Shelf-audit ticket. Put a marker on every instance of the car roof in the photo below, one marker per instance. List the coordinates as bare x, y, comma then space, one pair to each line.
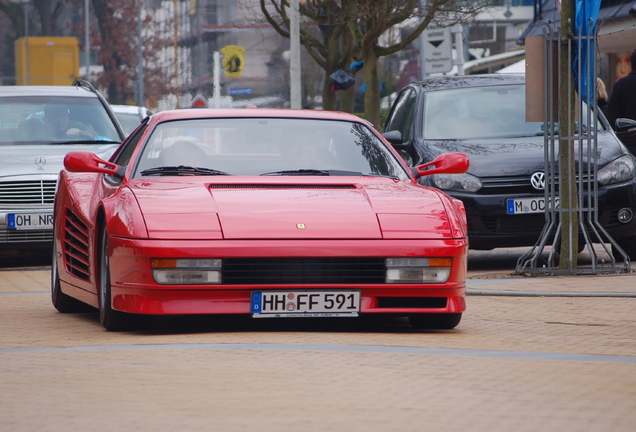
130, 109
450, 82
61, 90
195, 113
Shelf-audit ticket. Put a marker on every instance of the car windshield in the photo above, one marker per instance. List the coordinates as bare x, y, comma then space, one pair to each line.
266, 146
51, 120
479, 112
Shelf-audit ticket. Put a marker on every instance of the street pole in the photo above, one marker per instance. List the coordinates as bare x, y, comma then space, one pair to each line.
294, 57
26, 42
175, 47
87, 42
421, 41
216, 70
140, 60
567, 176
459, 47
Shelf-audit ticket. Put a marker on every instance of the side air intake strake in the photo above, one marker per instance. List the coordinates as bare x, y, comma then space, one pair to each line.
75, 246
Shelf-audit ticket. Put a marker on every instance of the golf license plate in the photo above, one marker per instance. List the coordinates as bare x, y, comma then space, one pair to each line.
30, 221
305, 304
527, 205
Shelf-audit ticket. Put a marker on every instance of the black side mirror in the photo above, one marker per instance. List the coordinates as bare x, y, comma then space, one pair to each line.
625, 127
394, 138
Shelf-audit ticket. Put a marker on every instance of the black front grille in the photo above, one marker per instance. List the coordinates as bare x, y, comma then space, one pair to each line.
515, 224
27, 192
412, 302
26, 236
263, 271
507, 185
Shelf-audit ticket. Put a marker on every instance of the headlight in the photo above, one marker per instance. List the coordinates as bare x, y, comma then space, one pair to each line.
418, 270
186, 271
617, 171
458, 182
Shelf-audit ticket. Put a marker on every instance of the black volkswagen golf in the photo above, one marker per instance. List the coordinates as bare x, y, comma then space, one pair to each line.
483, 116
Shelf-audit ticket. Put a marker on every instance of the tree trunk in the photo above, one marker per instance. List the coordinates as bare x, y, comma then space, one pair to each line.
347, 100
329, 98
372, 92
567, 175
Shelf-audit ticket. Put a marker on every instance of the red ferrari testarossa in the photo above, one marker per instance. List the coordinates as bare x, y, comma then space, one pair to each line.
267, 213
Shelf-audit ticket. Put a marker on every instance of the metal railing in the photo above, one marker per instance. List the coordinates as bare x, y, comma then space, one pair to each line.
582, 138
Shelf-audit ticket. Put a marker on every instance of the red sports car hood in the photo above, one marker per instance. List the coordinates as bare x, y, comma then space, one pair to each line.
286, 208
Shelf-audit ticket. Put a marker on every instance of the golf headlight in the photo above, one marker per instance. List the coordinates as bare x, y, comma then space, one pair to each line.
186, 271
457, 182
417, 270
617, 171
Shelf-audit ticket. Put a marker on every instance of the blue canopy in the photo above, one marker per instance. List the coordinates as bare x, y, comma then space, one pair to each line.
585, 19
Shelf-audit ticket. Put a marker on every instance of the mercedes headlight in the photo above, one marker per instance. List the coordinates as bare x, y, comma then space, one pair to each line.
457, 182
619, 170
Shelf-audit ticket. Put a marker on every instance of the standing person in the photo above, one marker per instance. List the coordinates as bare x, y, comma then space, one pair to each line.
622, 103
601, 95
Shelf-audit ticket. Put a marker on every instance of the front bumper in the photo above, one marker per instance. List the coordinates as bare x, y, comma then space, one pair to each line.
134, 290
489, 225
11, 238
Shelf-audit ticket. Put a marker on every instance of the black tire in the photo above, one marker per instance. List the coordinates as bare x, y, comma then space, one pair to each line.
435, 321
62, 302
111, 319
628, 246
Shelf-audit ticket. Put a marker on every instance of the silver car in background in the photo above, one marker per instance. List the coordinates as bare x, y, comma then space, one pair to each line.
130, 116
38, 126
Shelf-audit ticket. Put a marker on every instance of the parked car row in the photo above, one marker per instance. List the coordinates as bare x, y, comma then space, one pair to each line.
283, 213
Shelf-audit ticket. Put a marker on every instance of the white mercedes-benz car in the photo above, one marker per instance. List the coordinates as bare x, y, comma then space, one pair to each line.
39, 125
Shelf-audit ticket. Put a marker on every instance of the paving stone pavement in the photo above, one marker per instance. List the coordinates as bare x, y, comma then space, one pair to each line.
514, 363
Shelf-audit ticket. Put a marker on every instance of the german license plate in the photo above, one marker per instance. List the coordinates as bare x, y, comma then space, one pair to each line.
305, 304
30, 221
528, 205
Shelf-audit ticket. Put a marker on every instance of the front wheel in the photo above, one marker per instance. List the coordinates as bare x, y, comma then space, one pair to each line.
435, 321
111, 319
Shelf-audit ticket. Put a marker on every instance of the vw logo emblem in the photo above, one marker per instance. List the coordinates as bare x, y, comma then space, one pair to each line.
40, 162
537, 180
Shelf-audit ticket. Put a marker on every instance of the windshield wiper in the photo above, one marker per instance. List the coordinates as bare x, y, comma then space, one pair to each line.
381, 175
315, 172
81, 141
182, 169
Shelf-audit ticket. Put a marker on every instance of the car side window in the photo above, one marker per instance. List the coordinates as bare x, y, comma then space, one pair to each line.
403, 114
123, 154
